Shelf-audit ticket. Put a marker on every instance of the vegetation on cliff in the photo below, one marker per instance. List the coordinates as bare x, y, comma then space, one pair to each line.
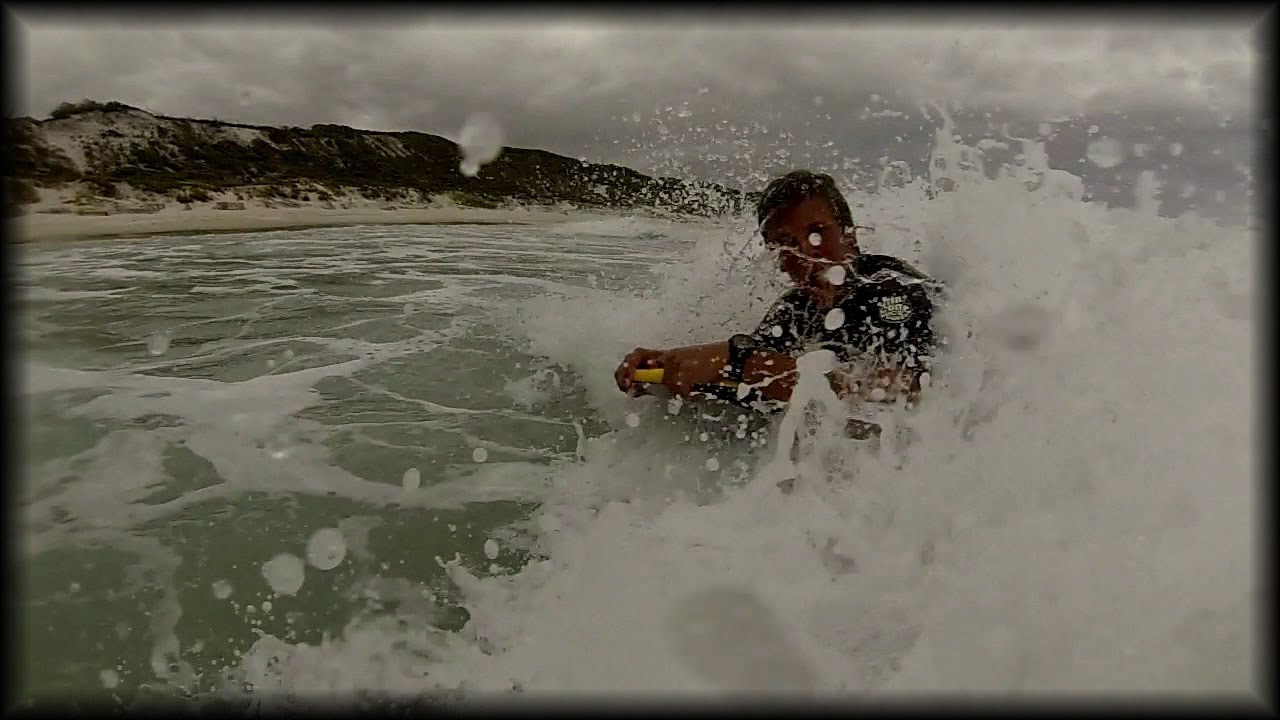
189, 158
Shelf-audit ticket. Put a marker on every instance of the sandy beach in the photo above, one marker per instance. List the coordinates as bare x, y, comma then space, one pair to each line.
55, 218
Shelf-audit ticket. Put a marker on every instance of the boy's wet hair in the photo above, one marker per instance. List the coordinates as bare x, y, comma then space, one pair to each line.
799, 185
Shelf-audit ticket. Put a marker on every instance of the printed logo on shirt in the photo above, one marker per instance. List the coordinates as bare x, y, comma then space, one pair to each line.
894, 308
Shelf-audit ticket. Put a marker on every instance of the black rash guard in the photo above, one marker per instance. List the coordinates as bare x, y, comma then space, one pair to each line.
886, 320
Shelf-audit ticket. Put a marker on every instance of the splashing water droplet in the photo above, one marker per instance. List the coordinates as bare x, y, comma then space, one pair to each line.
412, 479
1105, 152
633, 420
326, 549
815, 239
834, 319
479, 455
158, 343
491, 549
713, 464
702, 437
284, 573
836, 274
481, 141
266, 606
776, 331
221, 589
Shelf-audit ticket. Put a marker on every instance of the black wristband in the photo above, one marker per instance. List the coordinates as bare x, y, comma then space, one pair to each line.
741, 348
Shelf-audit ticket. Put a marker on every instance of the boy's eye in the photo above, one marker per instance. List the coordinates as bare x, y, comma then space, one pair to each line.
777, 241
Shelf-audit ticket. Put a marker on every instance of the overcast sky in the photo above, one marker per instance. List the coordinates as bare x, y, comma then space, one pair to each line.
600, 87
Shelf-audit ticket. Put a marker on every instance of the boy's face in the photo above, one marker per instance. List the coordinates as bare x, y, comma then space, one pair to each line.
808, 239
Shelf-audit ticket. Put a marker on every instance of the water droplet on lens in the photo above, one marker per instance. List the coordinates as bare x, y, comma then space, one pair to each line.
326, 549
284, 573
158, 343
1105, 152
480, 141
221, 589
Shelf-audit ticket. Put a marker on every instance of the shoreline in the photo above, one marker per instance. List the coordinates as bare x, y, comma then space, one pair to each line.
42, 227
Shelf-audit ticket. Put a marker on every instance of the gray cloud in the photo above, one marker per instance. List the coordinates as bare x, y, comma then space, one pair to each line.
576, 87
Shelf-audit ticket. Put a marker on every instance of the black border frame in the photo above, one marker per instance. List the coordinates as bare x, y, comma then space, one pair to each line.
1263, 17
